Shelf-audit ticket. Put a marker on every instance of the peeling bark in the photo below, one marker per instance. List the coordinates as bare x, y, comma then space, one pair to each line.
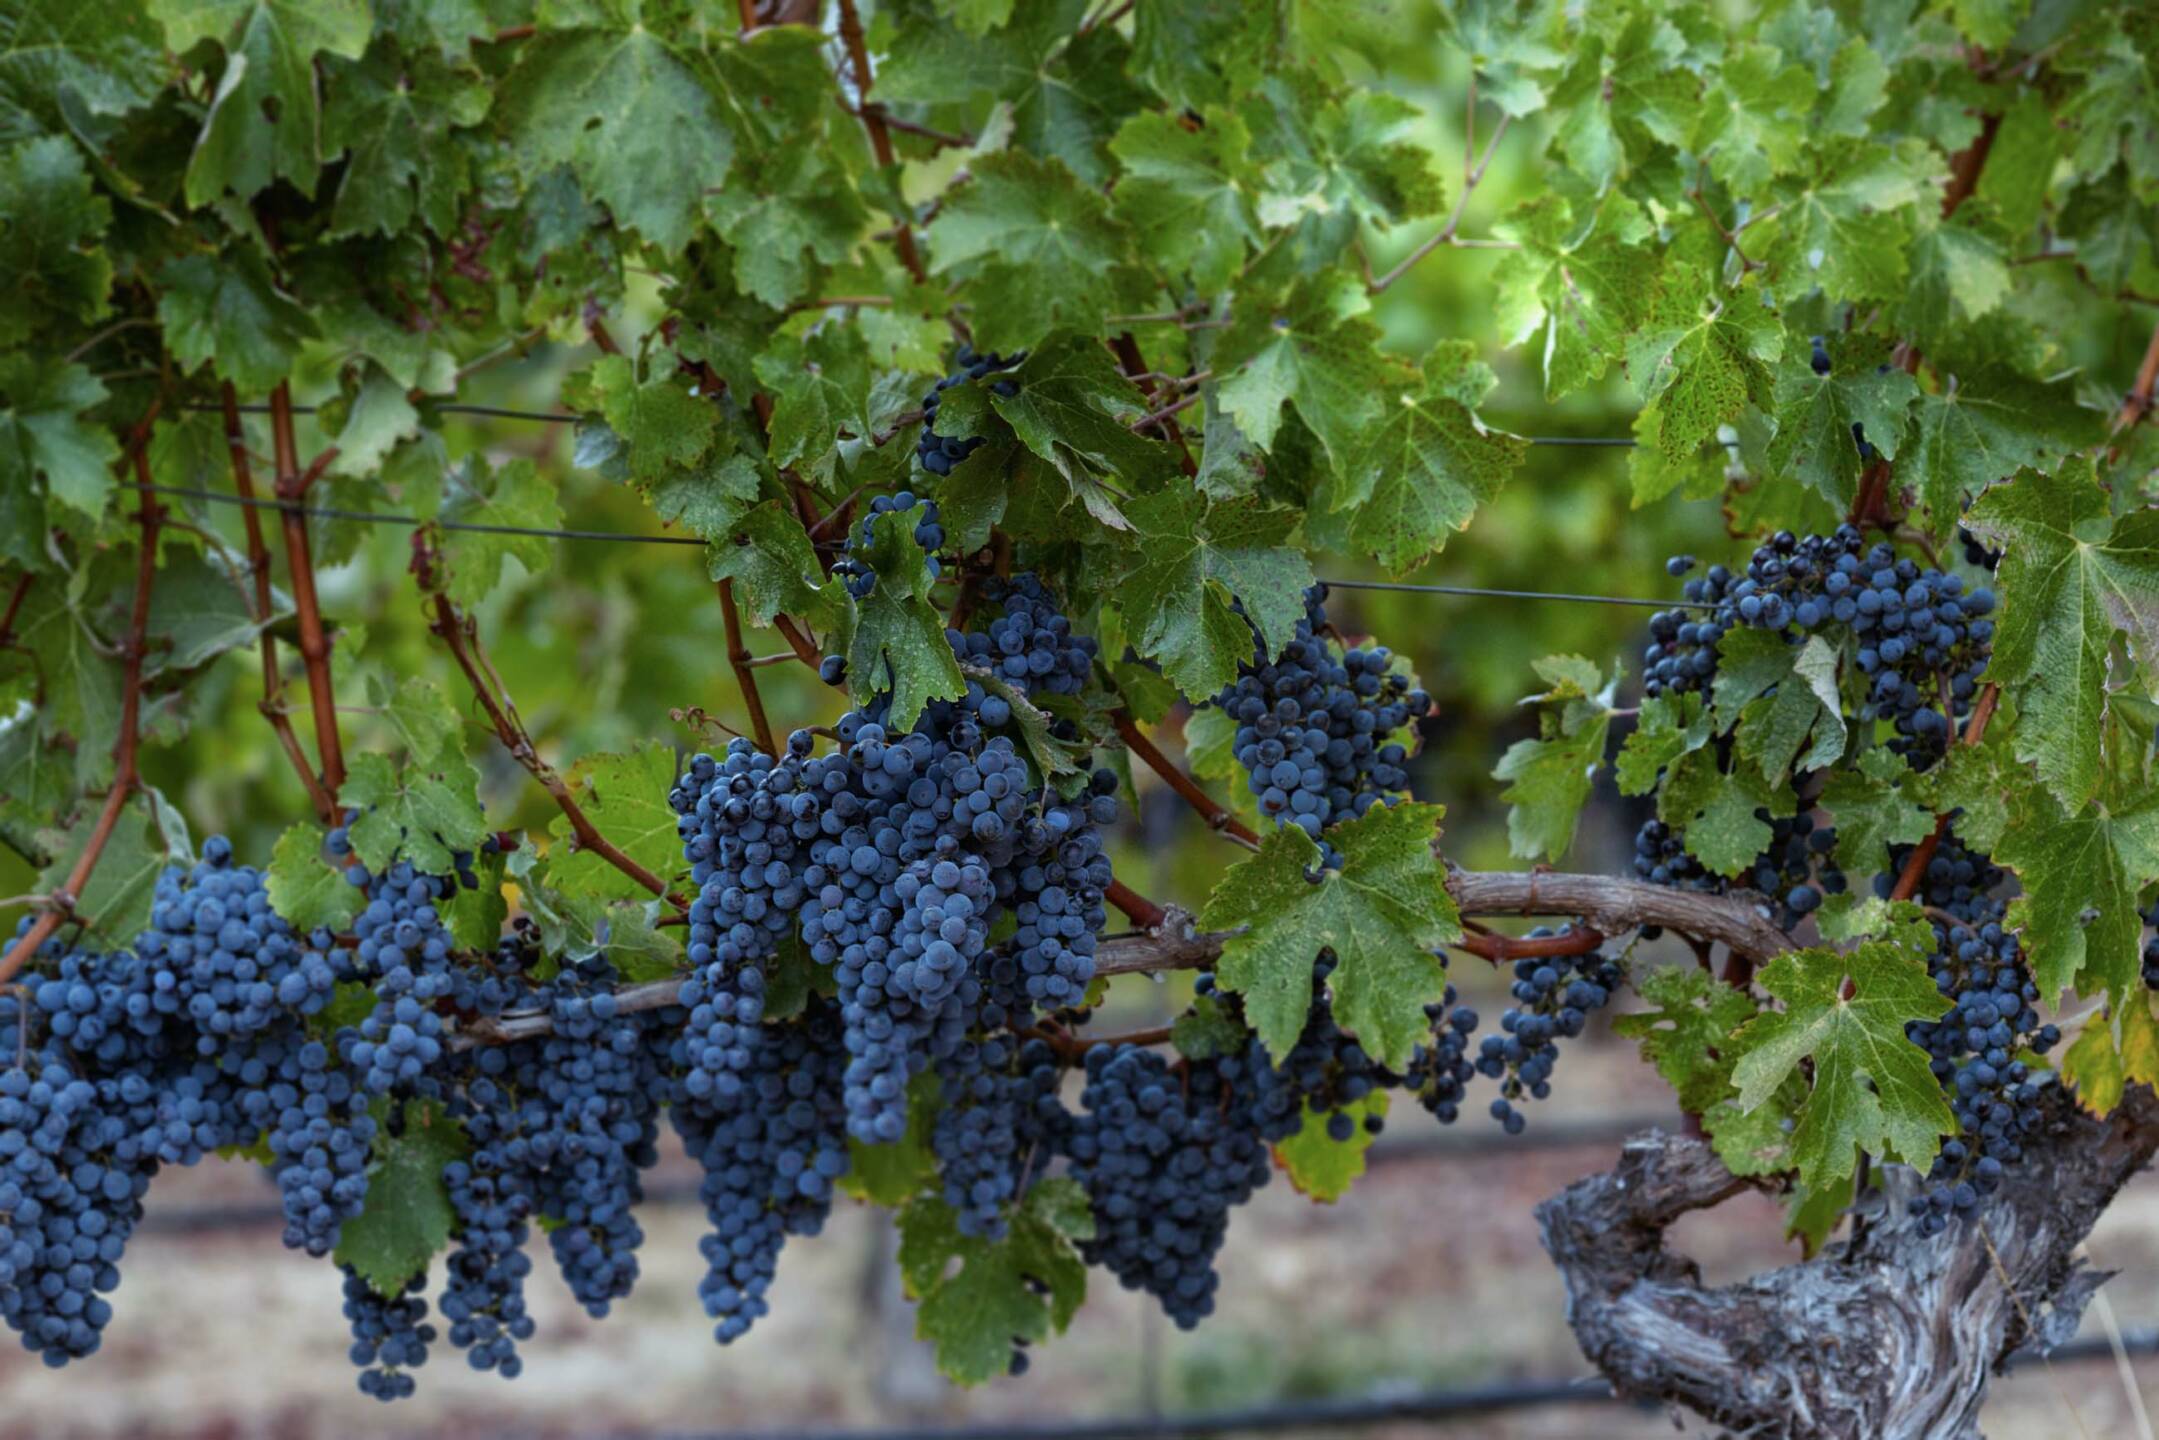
1889, 1336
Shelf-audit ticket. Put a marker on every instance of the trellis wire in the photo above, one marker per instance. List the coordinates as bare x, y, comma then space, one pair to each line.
560, 417
1344, 1413
268, 502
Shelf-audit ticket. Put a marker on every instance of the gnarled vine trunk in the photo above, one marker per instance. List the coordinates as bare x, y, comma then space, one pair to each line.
1889, 1336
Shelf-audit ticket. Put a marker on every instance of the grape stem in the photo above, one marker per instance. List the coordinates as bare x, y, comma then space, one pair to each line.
125, 774
292, 487
738, 655
1210, 809
873, 121
462, 637
272, 705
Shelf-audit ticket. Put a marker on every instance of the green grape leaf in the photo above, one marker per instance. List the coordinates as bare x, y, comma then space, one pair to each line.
1208, 1028
396, 115
1979, 781
378, 418
1984, 426
1577, 286
406, 1217
1383, 914
64, 64
619, 108
1874, 807
2068, 581
1847, 233
666, 427
1753, 1142
1623, 97
1039, 244
891, 1175
1313, 350
1322, 1167
1871, 1087
1958, 271
1669, 726
418, 713
823, 391
2082, 875
304, 886
638, 949
899, 646
1687, 1037
1776, 695
114, 906
1752, 125
1072, 404
82, 679
1424, 468
1193, 560
784, 211
1355, 156
515, 495
773, 564
52, 270
1703, 354
978, 1296
265, 117
228, 311
1717, 810
1182, 194
475, 918
1858, 86
976, 17
43, 436
1816, 413
625, 798
422, 814
1551, 776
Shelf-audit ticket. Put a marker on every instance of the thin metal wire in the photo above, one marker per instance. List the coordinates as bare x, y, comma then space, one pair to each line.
363, 517
557, 417
1510, 594
271, 502
446, 407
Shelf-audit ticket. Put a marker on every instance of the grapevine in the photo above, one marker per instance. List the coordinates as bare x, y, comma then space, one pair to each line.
613, 588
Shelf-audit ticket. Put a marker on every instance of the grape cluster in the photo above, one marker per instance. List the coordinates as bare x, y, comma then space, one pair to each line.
1979, 966
483, 1293
771, 1154
389, 1336
939, 453
1312, 729
1554, 999
1921, 639
1053, 883
1440, 1068
1164, 1159
999, 1124
403, 952
744, 820
1030, 645
72, 1179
